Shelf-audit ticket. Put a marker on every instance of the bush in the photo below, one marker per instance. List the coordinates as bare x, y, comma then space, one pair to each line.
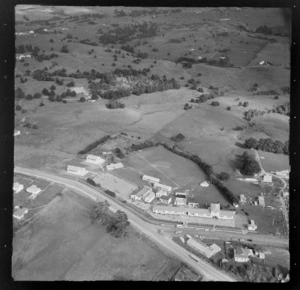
82, 99
276, 98
228, 108
215, 103
37, 95
178, 137
64, 49
246, 104
29, 97
18, 108
91, 181
224, 176
42, 104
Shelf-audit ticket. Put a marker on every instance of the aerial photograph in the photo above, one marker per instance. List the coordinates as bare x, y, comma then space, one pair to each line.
151, 144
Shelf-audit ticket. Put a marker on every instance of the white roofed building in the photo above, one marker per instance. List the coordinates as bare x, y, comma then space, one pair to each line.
150, 179
180, 201
142, 193
95, 159
252, 226
20, 213
267, 178
81, 171
113, 166
160, 193
204, 184
203, 248
149, 197
17, 187
34, 190
242, 254
165, 199
164, 187
261, 201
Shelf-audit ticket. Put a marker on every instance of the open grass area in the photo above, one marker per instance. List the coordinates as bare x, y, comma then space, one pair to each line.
62, 244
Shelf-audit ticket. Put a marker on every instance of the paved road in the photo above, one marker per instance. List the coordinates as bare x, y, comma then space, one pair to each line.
205, 269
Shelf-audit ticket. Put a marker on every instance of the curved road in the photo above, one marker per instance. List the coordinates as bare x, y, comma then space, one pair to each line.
204, 268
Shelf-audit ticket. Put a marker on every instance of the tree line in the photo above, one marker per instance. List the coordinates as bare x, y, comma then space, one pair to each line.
268, 145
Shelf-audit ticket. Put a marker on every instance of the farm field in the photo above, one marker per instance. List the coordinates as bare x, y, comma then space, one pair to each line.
62, 244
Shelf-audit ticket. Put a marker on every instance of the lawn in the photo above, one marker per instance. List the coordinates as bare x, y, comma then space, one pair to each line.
62, 244
172, 169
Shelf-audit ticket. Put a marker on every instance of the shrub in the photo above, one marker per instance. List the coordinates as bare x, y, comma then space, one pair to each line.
228, 108
91, 181
224, 176
215, 103
18, 108
37, 95
246, 104
82, 99
178, 137
42, 104
29, 97
276, 98
64, 49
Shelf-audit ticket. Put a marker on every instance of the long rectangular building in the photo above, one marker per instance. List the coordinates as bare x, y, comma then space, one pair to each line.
150, 179
194, 212
203, 248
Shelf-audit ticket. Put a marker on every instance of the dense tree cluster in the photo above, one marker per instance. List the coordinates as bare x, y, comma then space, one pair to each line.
114, 104
116, 224
268, 145
270, 31
143, 145
27, 48
93, 145
249, 165
249, 115
267, 93
282, 109
119, 153
127, 33
88, 42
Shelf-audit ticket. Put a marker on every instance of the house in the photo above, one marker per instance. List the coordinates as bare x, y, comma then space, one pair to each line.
264, 62
106, 152
252, 226
204, 184
243, 198
267, 178
95, 159
113, 166
261, 201
81, 171
81, 90
150, 179
193, 204
150, 197
140, 194
17, 187
203, 248
34, 190
180, 201
17, 133
20, 213
165, 199
182, 239
181, 193
242, 254
286, 194
164, 187
160, 193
